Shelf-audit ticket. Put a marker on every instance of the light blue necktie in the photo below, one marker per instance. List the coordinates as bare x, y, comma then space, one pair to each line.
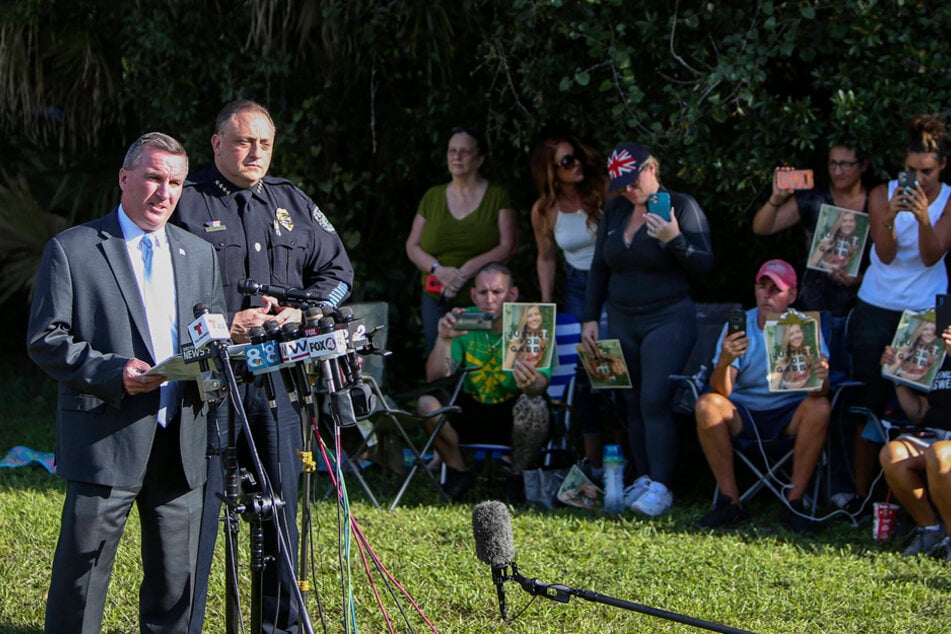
148, 249
168, 394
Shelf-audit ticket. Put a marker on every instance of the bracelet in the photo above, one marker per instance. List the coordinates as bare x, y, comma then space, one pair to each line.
433, 268
772, 204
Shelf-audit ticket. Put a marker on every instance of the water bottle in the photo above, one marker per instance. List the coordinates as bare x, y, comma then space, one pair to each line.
613, 479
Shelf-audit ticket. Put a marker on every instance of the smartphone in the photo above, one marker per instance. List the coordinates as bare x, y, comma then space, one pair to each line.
794, 179
942, 313
433, 285
907, 180
659, 204
737, 321
474, 321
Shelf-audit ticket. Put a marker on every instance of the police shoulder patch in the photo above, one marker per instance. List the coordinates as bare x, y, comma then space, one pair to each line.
321, 219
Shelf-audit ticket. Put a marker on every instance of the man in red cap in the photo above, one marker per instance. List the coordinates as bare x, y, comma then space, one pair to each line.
741, 406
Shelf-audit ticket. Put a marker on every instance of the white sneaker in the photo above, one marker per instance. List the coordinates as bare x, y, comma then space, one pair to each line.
657, 500
636, 490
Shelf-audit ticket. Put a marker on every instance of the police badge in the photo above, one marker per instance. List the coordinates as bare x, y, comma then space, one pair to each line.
284, 218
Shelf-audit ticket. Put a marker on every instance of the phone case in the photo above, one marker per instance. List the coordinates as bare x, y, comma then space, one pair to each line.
907, 179
737, 322
942, 310
433, 285
659, 204
473, 321
794, 179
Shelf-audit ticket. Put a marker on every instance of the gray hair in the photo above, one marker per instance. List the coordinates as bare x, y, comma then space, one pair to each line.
156, 140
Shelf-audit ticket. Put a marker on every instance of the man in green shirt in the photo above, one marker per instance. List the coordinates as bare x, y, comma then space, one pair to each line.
498, 406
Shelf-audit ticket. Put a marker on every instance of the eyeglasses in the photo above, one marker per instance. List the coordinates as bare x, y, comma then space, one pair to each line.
568, 160
842, 165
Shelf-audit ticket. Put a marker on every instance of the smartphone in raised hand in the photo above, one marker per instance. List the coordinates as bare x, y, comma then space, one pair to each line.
794, 179
659, 204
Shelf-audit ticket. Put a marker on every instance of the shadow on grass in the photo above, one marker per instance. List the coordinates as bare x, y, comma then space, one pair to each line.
8, 628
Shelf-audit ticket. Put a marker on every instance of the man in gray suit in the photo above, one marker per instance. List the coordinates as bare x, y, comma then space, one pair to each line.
113, 297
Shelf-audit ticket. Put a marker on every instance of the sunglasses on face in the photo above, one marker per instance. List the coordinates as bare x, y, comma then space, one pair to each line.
842, 165
568, 160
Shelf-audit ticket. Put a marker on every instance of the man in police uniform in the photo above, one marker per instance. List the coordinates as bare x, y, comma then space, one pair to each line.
267, 229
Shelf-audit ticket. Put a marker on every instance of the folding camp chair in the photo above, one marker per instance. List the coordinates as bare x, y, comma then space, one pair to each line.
387, 418
691, 382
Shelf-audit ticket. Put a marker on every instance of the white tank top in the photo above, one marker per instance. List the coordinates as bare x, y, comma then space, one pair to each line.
575, 238
906, 283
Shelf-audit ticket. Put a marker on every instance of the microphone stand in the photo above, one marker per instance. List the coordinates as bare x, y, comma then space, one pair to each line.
253, 508
562, 593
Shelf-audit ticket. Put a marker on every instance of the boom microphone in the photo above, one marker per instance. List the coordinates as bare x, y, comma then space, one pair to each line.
495, 546
492, 529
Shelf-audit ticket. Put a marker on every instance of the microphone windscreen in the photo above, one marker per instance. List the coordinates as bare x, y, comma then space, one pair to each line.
200, 309
492, 530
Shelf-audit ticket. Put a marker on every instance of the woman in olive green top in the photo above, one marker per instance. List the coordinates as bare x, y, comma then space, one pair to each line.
459, 227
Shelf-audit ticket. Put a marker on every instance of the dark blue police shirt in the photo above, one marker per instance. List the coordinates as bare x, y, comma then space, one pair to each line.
281, 236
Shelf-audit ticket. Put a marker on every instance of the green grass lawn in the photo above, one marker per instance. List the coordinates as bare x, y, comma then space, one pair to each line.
757, 578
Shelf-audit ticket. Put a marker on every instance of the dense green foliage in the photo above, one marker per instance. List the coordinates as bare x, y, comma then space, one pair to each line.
364, 92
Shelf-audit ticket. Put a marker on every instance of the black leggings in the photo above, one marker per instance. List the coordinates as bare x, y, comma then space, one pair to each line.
655, 346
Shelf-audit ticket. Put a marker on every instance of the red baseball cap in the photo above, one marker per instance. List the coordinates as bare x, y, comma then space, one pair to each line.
780, 271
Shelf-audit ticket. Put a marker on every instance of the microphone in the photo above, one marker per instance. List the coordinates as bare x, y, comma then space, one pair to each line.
276, 336
495, 546
207, 328
247, 286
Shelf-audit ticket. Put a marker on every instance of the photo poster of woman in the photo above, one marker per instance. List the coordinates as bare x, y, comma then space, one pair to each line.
839, 240
919, 351
578, 491
528, 331
793, 352
606, 369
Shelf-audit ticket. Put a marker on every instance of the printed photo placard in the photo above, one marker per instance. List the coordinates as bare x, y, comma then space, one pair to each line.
839, 240
528, 331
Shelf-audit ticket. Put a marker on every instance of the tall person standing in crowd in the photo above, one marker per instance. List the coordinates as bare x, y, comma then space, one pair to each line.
113, 297
911, 230
459, 227
640, 268
571, 196
267, 229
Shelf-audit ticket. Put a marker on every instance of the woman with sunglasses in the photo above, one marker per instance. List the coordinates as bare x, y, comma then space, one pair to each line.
571, 194
640, 270
459, 227
832, 291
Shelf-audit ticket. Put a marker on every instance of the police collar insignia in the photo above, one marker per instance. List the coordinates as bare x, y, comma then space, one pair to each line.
284, 218
321, 219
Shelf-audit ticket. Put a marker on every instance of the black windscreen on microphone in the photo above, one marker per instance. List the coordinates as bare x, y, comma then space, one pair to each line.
492, 530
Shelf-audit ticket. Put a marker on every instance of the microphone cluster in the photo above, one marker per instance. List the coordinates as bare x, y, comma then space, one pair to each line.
325, 345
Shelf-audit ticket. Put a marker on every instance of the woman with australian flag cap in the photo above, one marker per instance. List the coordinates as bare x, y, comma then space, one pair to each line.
649, 241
